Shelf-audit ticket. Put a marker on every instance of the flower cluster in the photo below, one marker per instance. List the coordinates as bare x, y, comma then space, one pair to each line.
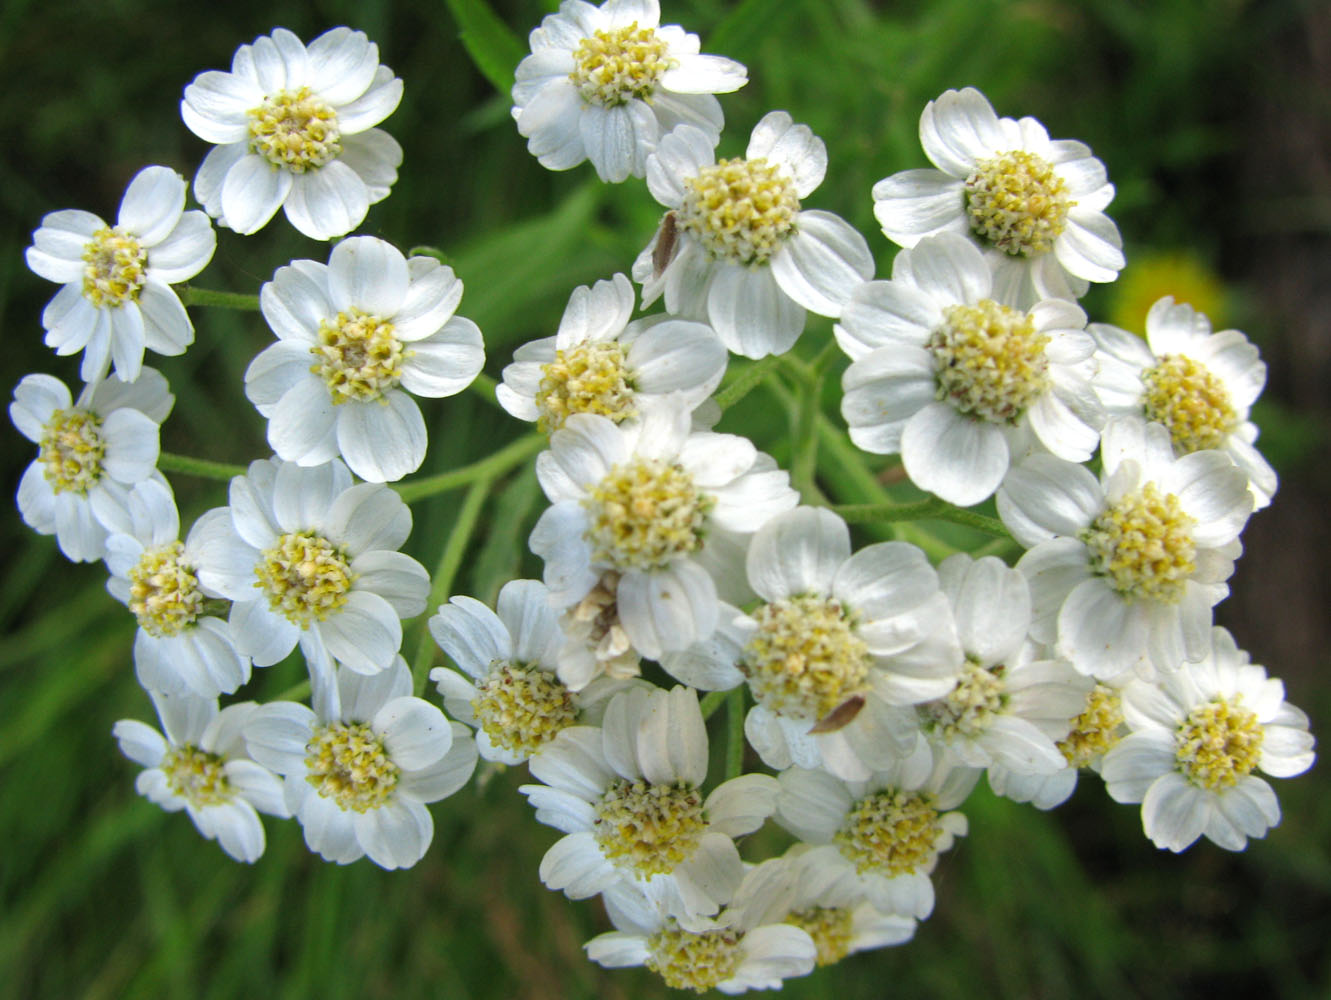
876, 683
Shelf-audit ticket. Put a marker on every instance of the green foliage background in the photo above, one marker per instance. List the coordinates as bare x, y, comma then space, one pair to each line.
1213, 119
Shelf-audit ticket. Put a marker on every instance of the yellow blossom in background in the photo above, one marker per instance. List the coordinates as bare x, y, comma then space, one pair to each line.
1151, 275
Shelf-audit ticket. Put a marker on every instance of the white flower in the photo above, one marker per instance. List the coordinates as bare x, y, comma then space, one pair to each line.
178, 648
1197, 736
958, 383
202, 767
307, 557
293, 131
888, 830
599, 362
628, 797
659, 506
117, 298
92, 454
1125, 571
746, 258
749, 946
508, 689
358, 780
605, 83
841, 643
1036, 205
351, 336
1199, 384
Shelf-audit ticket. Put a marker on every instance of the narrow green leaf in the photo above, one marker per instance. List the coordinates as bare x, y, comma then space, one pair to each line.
492, 45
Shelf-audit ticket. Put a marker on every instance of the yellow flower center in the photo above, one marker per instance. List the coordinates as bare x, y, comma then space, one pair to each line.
116, 268
830, 928
989, 360
694, 961
347, 762
969, 708
1096, 729
305, 576
1143, 544
1219, 743
164, 593
740, 210
1017, 203
1193, 403
196, 776
587, 378
359, 356
72, 449
891, 833
644, 514
649, 829
522, 708
805, 659
295, 130
611, 67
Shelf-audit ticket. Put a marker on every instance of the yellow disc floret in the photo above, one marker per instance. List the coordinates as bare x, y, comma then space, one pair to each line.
830, 928
644, 514
1017, 203
891, 833
1218, 743
1096, 729
970, 708
164, 592
1189, 400
740, 210
295, 130
305, 576
521, 707
586, 378
613, 66
649, 829
116, 268
197, 776
1143, 543
694, 961
72, 450
359, 356
347, 762
805, 659
989, 360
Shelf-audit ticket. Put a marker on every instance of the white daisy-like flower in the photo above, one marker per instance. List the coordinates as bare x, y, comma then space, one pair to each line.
1199, 384
888, 830
359, 780
628, 797
352, 335
663, 508
1198, 734
601, 363
1034, 204
178, 647
92, 453
293, 131
508, 688
957, 382
202, 766
605, 83
749, 946
841, 643
1012, 702
307, 557
746, 258
1124, 571
117, 300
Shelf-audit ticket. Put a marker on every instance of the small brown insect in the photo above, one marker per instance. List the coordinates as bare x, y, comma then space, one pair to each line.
667, 242
840, 717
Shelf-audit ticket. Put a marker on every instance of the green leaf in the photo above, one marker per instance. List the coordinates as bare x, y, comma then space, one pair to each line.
493, 47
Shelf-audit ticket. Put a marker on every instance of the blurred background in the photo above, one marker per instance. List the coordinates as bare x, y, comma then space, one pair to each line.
1214, 120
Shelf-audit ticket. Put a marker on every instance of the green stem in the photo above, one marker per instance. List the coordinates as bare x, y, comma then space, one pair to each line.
922, 510
745, 382
711, 702
192, 296
490, 467
200, 467
484, 386
297, 692
444, 573
735, 733
805, 459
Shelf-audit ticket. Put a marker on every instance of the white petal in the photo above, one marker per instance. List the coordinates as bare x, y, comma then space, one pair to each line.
364, 634
395, 835
415, 733
794, 147
822, 263
325, 203
382, 441
667, 609
750, 312
961, 459
152, 205
251, 193
368, 274
798, 552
